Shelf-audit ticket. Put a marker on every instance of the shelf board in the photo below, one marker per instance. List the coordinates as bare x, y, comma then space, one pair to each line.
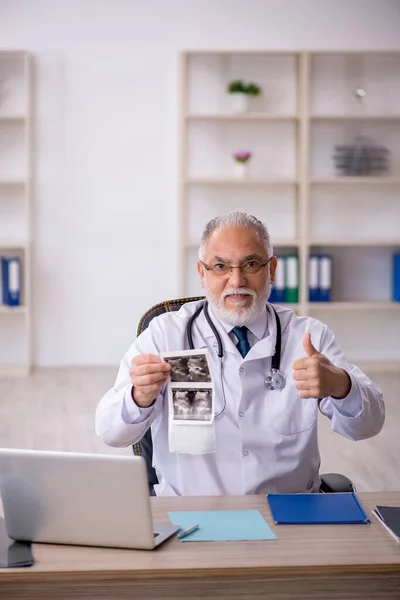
355, 180
12, 118
349, 306
225, 181
13, 182
277, 243
283, 243
12, 310
13, 245
356, 117
11, 53
355, 242
294, 306
241, 117
17, 371
246, 52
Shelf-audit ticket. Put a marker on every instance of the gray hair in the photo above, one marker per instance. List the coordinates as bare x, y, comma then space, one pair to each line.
237, 219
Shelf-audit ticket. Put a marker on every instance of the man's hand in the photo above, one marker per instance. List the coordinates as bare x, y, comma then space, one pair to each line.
317, 377
148, 374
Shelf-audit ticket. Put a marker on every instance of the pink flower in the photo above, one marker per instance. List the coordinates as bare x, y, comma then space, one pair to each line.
242, 156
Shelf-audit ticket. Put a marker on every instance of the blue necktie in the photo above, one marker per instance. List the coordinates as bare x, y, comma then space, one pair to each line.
243, 345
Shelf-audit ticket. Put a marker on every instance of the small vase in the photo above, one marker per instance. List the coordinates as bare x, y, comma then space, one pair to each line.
241, 170
240, 102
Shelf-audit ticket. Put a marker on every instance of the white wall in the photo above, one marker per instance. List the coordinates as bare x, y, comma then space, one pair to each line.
106, 142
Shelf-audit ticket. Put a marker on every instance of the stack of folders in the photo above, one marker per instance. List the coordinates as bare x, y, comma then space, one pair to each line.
396, 277
11, 281
389, 517
319, 278
286, 285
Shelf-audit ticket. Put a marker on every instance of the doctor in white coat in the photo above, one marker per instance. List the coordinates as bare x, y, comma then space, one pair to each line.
266, 440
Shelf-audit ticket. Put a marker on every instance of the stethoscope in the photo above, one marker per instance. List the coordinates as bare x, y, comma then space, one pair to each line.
275, 382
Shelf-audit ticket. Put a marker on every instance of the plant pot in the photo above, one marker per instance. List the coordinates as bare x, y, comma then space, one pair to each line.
240, 102
241, 170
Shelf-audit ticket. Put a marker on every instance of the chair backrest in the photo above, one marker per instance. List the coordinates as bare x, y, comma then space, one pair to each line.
161, 308
144, 448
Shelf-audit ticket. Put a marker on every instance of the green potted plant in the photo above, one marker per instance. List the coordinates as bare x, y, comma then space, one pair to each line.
240, 93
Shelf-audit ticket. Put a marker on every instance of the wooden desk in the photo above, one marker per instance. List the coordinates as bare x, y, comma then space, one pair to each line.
323, 562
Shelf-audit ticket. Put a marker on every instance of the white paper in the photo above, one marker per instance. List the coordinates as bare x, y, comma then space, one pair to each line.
191, 439
190, 402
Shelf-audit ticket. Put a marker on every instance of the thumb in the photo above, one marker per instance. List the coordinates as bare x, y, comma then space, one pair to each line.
308, 347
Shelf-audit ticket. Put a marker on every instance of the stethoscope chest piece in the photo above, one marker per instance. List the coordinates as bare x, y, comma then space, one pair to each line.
275, 381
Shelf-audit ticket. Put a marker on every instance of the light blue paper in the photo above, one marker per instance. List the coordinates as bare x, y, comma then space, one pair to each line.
223, 525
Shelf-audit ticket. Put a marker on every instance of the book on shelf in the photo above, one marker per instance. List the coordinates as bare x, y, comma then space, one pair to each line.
11, 281
320, 278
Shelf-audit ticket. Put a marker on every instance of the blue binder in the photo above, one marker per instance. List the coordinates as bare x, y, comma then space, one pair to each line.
278, 289
396, 277
11, 281
313, 278
325, 278
312, 509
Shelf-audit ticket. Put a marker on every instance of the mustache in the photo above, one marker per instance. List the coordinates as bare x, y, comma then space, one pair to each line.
234, 291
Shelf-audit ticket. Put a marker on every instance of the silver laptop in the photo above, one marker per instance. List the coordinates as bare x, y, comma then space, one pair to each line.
73, 498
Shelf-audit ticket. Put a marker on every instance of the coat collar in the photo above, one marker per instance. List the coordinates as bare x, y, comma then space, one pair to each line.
264, 328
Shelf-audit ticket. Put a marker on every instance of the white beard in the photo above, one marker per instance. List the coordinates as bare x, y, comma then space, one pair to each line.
238, 318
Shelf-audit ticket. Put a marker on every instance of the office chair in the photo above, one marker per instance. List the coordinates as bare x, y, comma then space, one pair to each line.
330, 482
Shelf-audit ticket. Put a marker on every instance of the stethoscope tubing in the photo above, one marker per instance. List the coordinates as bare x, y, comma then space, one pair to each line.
276, 358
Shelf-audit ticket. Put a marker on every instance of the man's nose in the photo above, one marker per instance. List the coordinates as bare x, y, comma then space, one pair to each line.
237, 278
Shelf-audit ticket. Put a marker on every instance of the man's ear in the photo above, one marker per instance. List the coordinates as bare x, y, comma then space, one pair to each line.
200, 270
272, 268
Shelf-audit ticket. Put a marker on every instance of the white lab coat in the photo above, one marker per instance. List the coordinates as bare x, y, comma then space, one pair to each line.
266, 440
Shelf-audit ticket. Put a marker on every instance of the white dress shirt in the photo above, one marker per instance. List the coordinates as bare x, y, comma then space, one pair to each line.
266, 440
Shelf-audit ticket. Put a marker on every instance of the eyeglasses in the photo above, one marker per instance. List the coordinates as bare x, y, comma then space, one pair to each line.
250, 268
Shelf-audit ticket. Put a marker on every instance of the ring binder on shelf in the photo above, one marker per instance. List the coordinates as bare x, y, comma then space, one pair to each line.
11, 281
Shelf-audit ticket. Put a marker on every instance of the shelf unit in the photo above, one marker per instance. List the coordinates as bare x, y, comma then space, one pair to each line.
15, 204
307, 107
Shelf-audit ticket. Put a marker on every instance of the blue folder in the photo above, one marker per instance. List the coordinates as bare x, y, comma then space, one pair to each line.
11, 281
396, 277
309, 509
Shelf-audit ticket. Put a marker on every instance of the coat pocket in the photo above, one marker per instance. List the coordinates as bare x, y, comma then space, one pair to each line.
291, 414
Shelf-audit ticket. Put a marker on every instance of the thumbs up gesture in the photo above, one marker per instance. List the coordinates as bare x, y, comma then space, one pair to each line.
317, 377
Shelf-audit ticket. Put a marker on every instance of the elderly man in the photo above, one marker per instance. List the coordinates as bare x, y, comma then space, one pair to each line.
266, 437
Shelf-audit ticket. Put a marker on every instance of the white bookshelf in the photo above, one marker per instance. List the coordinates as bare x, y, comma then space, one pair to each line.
15, 205
307, 107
